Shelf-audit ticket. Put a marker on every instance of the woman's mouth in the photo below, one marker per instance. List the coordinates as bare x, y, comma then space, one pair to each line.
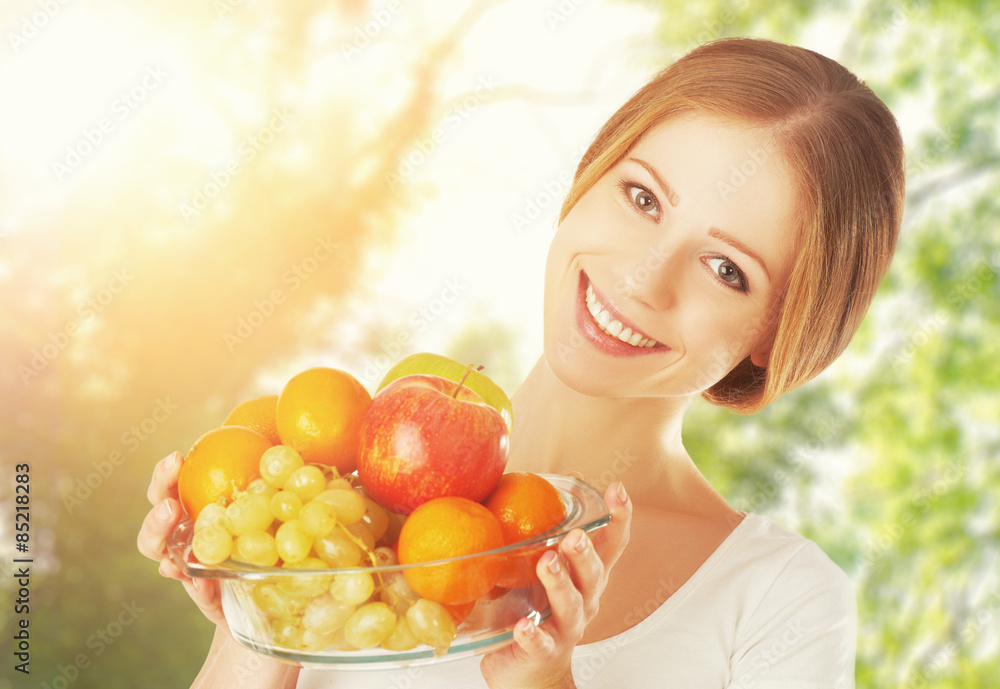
612, 326
606, 328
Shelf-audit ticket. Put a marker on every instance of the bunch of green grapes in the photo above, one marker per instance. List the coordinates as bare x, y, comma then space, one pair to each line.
308, 518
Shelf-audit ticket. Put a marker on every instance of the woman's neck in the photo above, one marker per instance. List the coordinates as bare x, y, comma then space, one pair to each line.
602, 440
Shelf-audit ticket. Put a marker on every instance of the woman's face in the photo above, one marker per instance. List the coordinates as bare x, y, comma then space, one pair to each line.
663, 276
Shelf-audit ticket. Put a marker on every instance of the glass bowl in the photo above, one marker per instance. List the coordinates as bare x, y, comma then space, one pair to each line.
267, 607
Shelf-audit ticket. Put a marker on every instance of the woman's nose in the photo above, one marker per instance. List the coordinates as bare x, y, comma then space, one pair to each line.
649, 276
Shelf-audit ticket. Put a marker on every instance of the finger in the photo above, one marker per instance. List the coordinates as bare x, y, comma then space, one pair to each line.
585, 568
612, 539
171, 571
205, 594
159, 522
164, 481
565, 601
533, 640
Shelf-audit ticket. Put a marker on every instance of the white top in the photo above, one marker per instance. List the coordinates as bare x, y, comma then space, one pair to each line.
768, 609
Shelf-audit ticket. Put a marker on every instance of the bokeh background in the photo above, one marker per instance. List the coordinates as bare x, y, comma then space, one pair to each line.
200, 199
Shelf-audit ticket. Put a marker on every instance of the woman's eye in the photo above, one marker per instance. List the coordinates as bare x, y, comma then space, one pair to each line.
728, 272
644, 200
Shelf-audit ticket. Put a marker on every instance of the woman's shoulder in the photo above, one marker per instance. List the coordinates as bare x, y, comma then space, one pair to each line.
789, 577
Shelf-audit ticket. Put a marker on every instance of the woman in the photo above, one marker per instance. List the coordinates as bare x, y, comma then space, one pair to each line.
724, 235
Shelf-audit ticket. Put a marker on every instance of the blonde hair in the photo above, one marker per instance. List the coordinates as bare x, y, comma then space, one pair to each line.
842, 145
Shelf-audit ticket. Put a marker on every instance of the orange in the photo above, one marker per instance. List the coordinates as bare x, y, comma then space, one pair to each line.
257, 414
451, 527
527, 506
319, 414
220, 462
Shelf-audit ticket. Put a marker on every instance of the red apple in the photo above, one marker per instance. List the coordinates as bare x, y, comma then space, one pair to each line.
426, 437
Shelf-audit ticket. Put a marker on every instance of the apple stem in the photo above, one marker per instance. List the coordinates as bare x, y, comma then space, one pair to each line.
454, 395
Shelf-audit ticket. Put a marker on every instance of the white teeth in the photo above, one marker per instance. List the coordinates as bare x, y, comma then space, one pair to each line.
612, 326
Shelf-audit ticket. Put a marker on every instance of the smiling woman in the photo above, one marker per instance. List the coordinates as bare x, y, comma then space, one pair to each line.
723, 236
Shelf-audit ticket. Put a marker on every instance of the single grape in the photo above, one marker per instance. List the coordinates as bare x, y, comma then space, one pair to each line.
285, 505
375, 518
277, 464
401, 639
337, 550
317, 518
432, 624
212, 544
324, 614
276, 602
362, 533
305, 585
349, 505
212, 514
369, 625
338, 483
255, 548
293, 543
287, 634
307, 481
385, 556
311, 642
397, 594
353, 588
259, 485
248, 513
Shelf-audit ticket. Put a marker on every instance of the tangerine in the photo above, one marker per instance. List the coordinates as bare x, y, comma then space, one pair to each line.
257, 414
319, 414
221, 462
526, 505
450, 527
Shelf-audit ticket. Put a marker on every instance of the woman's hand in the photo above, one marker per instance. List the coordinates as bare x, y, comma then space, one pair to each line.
574, 579
159, 522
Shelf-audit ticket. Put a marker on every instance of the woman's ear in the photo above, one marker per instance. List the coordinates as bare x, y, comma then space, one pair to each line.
761, 357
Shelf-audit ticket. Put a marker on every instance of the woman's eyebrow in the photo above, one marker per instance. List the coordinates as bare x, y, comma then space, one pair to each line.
739, 246
664, 187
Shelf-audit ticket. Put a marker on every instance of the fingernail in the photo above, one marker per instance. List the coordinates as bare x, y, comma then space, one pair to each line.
164, 511
622, 495
196, 584
553, 563
528, 627
578, 541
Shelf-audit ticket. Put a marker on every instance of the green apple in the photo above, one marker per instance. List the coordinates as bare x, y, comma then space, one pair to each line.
438, 365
